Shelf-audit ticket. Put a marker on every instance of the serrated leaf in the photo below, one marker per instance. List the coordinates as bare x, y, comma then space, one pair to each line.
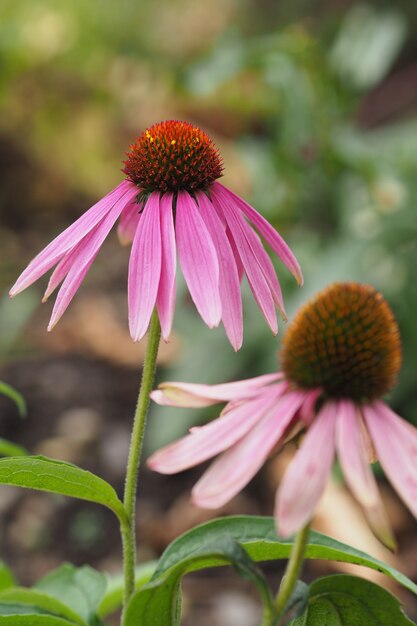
10, 392
113, 596
44, 474
80, 588
7, 578
43, 602
158, 602
8, 448
343, 600
259, 538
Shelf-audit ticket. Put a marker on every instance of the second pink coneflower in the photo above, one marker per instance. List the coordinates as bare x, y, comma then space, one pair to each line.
340, 356
169, 203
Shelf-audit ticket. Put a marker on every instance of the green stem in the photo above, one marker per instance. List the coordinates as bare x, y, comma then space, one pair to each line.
292, 571
132, 471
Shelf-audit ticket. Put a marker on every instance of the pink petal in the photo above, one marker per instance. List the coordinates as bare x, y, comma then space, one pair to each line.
206, 441
78, 261
238, 260
307, 411
232, 471
144, 268
195, 395
396, 444
275, 240
129, 220
72, 235
256, 278
165, 300
306, 477
358, 474
229, 285
198, 259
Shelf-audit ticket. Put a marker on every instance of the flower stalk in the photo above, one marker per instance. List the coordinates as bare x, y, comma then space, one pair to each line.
292, 571
136, 441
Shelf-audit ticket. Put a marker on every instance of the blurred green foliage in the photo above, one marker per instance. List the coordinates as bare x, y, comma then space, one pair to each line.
309, 102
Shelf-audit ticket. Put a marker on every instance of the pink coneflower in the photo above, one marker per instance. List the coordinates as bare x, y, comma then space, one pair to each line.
340, 355
171, 201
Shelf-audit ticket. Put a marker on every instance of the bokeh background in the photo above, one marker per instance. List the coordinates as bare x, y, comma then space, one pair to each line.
314, 108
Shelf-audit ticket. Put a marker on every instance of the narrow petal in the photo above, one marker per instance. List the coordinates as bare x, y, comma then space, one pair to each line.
269, 233
72, 235
307, 411
204, 442
306, 477
256, 278
232, 471
198, 259
358, 474
238, 260
165, 300
144, 268
229, 285
78, 261
195, 395
129, 220
396, 445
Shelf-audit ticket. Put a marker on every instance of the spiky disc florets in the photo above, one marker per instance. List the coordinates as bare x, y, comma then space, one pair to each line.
173, 155
346, 341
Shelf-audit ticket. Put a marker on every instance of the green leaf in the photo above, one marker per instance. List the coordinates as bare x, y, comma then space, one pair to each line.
259, 538
38, 472
8, 448
18, 619
7, 578
158, 602
343, 600
112, 599
42, 601
10, 392
81, 588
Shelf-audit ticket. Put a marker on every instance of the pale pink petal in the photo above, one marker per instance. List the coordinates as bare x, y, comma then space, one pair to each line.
206, 441
306, 477
198, 259
228, 279
62, 270
256, 278
81, 258
238, 260
165, 300
269, 233
72, 235
232, 471
128, 222
396, 444
195, 395
144, 268
358, 474
307, 411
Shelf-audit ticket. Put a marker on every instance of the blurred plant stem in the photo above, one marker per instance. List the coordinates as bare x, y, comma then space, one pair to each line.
292, 572
136, 441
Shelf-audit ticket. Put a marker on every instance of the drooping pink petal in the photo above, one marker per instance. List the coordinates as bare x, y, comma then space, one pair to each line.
256, 278
207, 441
358, 474
396, 444
198, 259
50, 255
128, 222
61, 270
307, 411
306, 477
269, 233
232, 471
80, 259
229, 286
195, 395
165, 300
144, 268
238, 260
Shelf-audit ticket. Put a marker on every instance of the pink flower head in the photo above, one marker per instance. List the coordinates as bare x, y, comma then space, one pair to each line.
339, 356
171, 202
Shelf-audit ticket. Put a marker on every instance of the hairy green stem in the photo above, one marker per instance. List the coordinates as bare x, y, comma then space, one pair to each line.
129, 528
292, 571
